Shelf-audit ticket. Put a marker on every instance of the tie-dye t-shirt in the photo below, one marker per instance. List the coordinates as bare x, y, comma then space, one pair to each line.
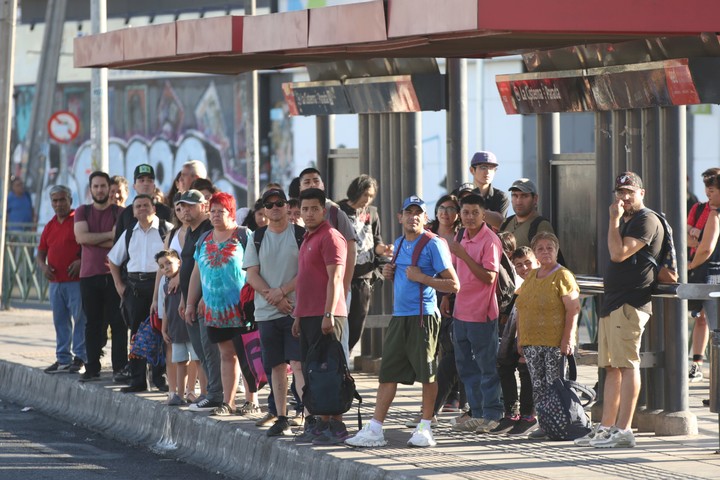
222, 278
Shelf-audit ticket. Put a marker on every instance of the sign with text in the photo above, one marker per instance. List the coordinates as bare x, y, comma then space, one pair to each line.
316, 98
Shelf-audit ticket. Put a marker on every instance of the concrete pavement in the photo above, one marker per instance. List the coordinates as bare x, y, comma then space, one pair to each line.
234, 446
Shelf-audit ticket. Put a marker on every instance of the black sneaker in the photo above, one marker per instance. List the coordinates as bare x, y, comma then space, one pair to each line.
505, 425
335, 434
523, 426
313, 428
123, 376
706, 402
204, 405
89, 377
58, 367
77, 366
280, 427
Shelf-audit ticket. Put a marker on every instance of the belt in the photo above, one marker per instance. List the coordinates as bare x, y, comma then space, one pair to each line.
141, 277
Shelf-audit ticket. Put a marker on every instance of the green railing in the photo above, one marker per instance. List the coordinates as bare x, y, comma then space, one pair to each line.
22, 281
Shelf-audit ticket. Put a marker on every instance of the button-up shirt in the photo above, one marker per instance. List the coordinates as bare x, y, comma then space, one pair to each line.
144, 244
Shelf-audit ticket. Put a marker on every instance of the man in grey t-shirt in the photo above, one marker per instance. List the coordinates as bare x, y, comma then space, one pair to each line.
271, 271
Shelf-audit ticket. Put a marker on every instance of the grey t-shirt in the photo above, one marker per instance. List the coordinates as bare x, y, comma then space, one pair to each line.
278, 263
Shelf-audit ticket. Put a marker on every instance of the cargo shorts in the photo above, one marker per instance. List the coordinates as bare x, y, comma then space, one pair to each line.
409, 350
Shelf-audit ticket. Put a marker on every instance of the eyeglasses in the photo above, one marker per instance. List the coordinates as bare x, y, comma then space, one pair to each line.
625, 191
270, 205
450, 210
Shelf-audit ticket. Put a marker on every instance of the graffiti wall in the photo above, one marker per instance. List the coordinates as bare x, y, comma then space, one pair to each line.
165, 122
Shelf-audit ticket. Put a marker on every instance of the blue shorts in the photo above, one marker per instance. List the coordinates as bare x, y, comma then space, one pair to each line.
183, 352
278, 344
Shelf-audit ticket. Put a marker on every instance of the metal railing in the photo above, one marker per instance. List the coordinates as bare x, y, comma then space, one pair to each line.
22, 281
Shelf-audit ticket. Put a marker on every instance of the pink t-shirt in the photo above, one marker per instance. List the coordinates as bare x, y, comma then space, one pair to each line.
325, 246
476, 301
94, 258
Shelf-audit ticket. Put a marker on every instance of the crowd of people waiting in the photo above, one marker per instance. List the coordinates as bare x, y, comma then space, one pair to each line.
312, 264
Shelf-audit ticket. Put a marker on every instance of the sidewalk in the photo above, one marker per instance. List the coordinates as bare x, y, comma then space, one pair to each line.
234, 446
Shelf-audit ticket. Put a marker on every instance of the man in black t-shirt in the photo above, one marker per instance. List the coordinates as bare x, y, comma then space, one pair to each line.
483, 167
144, 184
192, 209
634, 234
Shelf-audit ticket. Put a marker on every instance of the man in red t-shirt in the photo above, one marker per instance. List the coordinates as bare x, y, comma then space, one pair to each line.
320, 307
59, 259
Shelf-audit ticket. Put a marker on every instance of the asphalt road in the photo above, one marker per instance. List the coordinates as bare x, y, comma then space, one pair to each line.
34, 446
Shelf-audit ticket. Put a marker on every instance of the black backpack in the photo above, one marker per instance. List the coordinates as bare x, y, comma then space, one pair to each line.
505, 286
329, 388
259, 234
560, 413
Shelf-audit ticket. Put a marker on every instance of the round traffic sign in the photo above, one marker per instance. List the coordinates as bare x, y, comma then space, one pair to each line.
63, 126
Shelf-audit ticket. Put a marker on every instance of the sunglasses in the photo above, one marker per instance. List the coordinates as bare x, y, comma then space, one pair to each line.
270, 205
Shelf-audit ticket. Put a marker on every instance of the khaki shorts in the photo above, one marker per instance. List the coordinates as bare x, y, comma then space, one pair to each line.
619, 337
409, 350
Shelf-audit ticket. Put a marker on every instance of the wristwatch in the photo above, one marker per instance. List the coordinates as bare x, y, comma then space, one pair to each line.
328, 314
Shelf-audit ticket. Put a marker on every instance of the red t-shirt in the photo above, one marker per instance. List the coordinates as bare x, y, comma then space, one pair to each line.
94, 258
325, 246
58, 241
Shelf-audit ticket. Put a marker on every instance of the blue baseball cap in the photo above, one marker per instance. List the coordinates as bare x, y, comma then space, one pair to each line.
414, 200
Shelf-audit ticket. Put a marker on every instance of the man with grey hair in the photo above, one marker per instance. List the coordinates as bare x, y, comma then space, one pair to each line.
58, 258
191, 171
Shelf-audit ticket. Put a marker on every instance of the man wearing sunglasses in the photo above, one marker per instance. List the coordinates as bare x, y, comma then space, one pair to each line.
271, 271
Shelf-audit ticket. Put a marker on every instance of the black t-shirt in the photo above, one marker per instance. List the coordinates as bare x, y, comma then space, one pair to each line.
188, 252
127, 218
367, 230
496, 200
631, 281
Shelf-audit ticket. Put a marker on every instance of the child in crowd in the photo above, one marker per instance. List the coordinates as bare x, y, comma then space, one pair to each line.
523, 421
179, 349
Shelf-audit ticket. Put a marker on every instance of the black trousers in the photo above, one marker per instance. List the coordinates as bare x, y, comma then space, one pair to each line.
358, 310
101, 305
136, 302
509, 386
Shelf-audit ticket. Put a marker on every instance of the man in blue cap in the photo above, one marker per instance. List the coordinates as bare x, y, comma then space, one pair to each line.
483, 167
421, 265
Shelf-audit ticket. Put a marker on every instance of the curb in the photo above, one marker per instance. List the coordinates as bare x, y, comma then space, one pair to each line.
217, 445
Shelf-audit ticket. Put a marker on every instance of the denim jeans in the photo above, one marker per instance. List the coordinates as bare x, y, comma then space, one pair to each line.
476, 347
66, 301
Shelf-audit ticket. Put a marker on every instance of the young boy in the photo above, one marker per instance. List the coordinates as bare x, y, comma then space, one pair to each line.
179, 349
523, 421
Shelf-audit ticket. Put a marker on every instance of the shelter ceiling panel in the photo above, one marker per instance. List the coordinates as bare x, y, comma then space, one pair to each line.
101, 49
423, 17
279, 31
649, 17
347, 24
152, 41
208, 35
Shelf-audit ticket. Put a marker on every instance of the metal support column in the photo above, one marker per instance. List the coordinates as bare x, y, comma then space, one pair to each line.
545, 147
651, 172
619, 152
633, 140
675, 419
252, 126
364, 143
99, 123
396, 193
325, 140
8, 17
457, 150
411, 154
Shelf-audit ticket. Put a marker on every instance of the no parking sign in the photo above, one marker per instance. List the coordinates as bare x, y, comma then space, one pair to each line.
63, 126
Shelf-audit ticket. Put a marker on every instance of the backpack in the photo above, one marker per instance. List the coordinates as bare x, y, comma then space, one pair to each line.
425, 237
505, 285
162, 228
329, 388
560, 413
666, 269
534, 225
259, 234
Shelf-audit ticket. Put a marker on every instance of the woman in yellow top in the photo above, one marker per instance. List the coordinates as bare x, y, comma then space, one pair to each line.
547, 307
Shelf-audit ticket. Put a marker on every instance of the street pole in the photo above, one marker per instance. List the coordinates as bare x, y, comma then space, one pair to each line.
252, 127
99, 95
457, 147
8, 16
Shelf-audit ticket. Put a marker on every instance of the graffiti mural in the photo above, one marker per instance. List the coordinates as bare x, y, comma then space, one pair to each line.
164, 122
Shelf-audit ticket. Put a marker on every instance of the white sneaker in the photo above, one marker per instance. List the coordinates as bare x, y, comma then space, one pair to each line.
367, 438
422, 437
613, 438
695, 374
585, 441
416, 421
